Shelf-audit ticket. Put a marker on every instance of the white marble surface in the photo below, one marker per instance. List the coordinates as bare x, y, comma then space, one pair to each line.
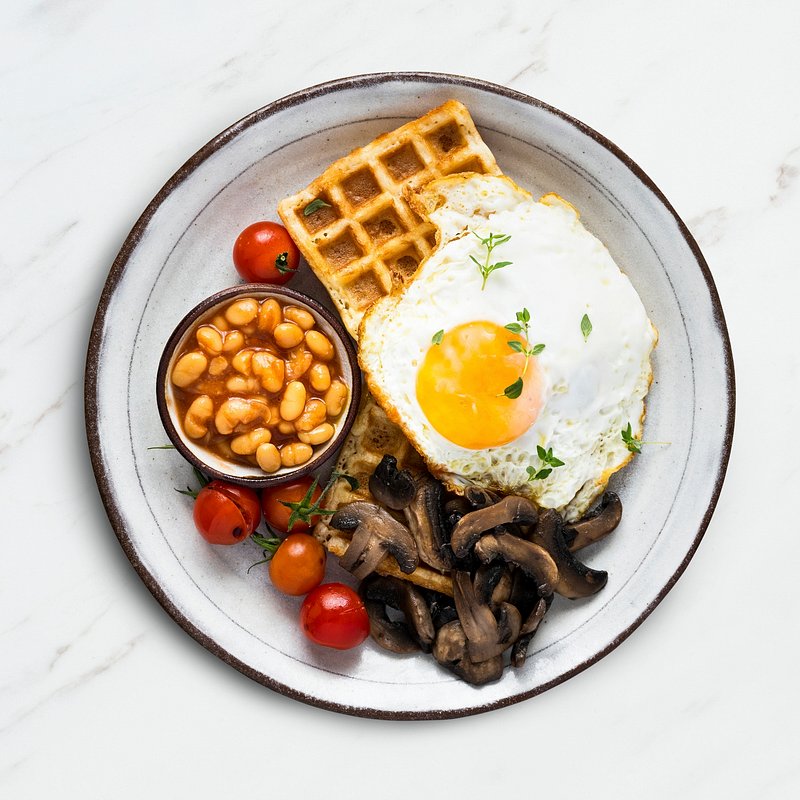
101, 694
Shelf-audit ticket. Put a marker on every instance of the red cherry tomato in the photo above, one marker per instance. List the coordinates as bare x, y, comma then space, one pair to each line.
277, 515
298, 564
334, 616
265, 253
225, 513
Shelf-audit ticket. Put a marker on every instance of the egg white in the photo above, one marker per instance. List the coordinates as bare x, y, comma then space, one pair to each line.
592, 387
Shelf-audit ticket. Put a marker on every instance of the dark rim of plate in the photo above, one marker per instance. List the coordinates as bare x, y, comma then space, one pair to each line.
345, 343
118, 269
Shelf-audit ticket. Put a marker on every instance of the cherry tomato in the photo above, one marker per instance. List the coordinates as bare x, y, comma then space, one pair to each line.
298, 564
334, 616
265, 253
277, 515
225, 513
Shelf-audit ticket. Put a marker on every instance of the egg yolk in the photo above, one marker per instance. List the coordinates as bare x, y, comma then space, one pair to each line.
461, 383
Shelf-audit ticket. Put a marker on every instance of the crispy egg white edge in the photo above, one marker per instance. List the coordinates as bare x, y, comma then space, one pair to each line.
426, 201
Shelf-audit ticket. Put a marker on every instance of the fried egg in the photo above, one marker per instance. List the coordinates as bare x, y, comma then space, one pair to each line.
519, 378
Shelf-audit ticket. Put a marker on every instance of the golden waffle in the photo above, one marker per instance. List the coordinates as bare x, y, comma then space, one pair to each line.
372, 436
366, 240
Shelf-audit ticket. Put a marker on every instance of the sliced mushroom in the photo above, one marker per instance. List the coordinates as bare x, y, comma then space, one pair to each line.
450, 650
405, 597
595, 525
493, 583
392, 487
394, 636
442, 609
376, 534
532, 559
574, 578
511, 509
424, 518
479, 498
519, 652
487, 637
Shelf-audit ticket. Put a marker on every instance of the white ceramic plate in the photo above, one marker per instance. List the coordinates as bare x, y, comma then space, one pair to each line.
179, 252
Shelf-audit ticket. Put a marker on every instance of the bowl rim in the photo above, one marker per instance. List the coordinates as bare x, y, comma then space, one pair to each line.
345, 344
91, 383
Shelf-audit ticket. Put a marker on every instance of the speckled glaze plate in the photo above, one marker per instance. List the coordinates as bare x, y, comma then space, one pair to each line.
179, 252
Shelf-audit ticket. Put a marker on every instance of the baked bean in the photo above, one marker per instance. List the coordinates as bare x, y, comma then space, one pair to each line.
217, 366
269, 315
317, 435
299, 316
287, 335
210, 339
268, 457
313, 414
195, 423
242, 311
247, 443
286, 428
242, 385
275, 415
242, 362
293, 401
296, 453
335, 398
297, 363
270, 369
220, 323
189, 368
319, 344
236, 411
320, 377
233, 342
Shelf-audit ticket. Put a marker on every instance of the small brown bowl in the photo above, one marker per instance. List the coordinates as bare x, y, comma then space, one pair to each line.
216, 466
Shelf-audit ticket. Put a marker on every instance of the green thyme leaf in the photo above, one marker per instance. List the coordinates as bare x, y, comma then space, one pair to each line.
537, 349
437, 337
514, 327
516, 346
586, 326
513, 391
315, 205
631, 442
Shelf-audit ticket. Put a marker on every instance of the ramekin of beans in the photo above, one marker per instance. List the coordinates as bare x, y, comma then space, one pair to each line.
258, 384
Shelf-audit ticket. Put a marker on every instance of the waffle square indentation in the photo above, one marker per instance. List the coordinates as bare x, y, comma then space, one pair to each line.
403, 162
446, 139
360, 187
384, 225
342, 250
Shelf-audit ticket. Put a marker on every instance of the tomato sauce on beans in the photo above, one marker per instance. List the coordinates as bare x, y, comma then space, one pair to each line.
257, 383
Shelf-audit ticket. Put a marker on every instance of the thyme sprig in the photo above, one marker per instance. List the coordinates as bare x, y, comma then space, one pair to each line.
522, 328
549, 463
632, 443
490, 242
